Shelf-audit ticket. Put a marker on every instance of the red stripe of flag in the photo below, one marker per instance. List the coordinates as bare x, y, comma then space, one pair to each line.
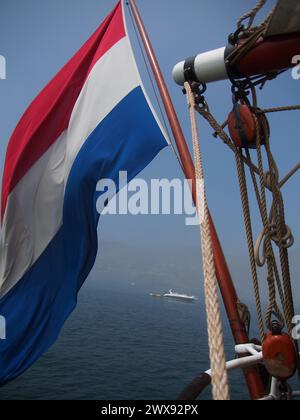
49, 114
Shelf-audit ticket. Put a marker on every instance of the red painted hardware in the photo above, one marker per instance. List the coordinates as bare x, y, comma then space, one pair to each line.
280, 356
242, 126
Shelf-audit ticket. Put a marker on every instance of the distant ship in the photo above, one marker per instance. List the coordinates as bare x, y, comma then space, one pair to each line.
179, 296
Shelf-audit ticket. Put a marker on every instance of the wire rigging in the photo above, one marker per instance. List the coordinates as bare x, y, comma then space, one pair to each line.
157, 98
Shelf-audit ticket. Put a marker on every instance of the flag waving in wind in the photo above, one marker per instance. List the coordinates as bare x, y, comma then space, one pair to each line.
90, 122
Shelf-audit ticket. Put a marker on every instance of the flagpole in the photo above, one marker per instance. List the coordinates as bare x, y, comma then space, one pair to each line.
226, 284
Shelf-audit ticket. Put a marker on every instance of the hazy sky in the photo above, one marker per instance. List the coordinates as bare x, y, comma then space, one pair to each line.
37, 37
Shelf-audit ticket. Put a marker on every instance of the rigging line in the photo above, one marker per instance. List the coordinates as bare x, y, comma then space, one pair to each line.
205, 112
249, 235
153, 85
213, 311
271, 263
251, 15
261, 261
281, 109
269, 257
219, 132
274, 227
279, 218
289, 175
261, 242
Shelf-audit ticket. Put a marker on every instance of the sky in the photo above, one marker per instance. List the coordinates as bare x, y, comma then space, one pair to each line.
37, 37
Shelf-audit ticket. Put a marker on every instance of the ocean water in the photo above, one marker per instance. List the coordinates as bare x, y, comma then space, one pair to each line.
123, 344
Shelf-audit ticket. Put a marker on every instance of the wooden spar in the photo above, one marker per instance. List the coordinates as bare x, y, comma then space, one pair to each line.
226, 284
270, 55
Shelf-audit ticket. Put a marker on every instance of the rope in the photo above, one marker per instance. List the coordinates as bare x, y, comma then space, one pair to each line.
281, 109
274, 226
251, 15
284, 236
219, 132
215, 331
261, 260
250, 36
249, 235
273, 308
269, 229
239, 53
240, 160
289, 175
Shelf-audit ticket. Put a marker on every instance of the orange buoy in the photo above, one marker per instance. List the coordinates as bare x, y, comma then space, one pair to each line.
279, 353
242, 126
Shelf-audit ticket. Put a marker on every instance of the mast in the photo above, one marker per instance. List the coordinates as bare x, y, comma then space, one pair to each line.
225, 281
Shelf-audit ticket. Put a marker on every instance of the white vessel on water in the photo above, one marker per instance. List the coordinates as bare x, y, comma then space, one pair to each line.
179, 296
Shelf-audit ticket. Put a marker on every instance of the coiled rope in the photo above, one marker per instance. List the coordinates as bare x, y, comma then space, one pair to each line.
273, 308
215, 332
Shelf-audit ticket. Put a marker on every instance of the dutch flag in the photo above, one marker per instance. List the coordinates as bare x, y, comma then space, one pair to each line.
90, 122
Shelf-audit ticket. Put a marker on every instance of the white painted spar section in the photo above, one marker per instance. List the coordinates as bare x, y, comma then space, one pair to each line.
34, 209
209, 67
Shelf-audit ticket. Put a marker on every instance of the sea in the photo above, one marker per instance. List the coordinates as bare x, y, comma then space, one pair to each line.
122, 344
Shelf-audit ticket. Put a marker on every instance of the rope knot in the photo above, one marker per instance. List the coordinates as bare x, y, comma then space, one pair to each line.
272, 179
285, 241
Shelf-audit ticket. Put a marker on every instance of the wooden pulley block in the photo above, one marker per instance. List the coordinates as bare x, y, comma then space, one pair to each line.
279, 353
242, 126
